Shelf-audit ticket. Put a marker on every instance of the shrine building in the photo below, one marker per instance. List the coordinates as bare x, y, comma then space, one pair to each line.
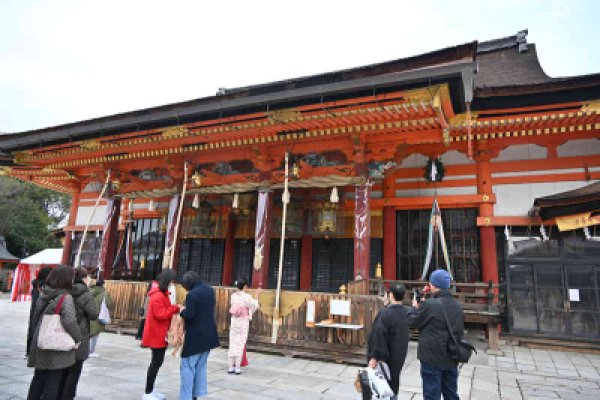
479, 127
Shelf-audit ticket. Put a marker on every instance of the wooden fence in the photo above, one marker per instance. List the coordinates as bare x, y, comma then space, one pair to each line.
294, 336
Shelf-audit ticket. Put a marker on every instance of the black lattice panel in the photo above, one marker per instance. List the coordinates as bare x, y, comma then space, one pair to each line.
291, 264
243, 259
462, 239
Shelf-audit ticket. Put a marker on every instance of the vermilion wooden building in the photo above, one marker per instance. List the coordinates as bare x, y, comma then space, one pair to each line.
502, 130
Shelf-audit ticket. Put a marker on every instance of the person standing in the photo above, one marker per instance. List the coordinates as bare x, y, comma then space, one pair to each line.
100, 294
242, 306
36, 287
200, 336
158, 320
87, 311
388, 341
439, 371
51, 366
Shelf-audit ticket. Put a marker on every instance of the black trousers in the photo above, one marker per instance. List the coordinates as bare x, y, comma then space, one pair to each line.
158, 356
72, 375
46, 384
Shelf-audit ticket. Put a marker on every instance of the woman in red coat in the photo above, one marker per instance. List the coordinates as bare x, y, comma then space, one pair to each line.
158, 321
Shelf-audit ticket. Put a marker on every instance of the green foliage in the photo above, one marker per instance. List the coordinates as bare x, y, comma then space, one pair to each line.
28, 213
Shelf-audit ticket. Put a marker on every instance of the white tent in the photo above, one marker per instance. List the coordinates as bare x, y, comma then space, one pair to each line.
27, 271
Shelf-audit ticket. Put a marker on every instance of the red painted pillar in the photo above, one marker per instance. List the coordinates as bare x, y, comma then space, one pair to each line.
228, 278
110, 234
306, 263
389, 229
362, 230
66, 256
262, 242
489, 260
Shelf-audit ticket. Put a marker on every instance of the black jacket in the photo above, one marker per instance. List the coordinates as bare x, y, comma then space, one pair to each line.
388, 340
36, 285
199, 315
433, 332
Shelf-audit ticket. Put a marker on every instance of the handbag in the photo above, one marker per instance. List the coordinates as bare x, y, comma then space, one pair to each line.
52, 334
104, 315
459, 349
379, 382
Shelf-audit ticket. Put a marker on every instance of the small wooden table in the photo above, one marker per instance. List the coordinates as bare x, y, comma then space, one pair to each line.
339, 326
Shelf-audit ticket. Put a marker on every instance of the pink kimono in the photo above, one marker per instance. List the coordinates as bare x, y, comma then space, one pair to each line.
242, 307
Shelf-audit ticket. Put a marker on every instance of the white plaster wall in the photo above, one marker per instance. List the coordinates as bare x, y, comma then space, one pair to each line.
440, 191
84, 212
517, 199
455, 157
582, 147
415, 160
522, 152
144, 206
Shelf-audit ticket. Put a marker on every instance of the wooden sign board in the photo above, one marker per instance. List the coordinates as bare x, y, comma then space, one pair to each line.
310, 313
339, 307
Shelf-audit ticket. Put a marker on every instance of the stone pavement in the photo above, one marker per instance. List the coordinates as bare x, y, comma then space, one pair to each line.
119, 373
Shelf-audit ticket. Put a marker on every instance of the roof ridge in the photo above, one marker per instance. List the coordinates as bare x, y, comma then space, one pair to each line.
520, 39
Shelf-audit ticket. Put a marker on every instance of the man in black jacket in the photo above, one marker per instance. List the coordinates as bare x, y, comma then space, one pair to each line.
439, 371
200, 336
389, 336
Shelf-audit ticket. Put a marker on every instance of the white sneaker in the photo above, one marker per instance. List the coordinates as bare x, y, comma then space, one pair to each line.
238, 371
158, 395
94, 355
149, 397
231, 370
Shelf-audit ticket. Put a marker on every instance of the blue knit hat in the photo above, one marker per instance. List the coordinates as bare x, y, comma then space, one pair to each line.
440, 278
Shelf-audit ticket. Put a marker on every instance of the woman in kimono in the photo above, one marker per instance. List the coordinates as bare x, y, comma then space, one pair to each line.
242, 307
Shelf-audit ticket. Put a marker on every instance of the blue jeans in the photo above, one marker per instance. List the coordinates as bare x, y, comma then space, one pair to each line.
438, 381
192, 371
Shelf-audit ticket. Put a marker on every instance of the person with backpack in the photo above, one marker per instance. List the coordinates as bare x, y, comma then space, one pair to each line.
51, 365
434, 318
100, 295
87, 311
242, 307
200, 336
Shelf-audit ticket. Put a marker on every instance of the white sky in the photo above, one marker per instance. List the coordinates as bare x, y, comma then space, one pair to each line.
65, 61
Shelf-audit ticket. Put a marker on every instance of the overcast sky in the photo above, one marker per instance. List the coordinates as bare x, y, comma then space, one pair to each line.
65, 61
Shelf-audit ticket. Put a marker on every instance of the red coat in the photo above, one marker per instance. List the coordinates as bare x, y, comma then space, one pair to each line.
158, 319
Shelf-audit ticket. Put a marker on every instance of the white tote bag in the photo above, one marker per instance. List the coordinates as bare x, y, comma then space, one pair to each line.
104, 315
52, 335
378, 382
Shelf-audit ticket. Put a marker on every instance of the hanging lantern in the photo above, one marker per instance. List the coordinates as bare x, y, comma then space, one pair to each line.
296, 170
72, 235
335, 197
196, 201
236, 201
197, 178
152, 205
97, 233
327, 219
130, 205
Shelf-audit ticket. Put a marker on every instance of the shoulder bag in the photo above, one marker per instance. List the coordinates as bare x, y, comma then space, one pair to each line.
52, 334
104, 315
459, 350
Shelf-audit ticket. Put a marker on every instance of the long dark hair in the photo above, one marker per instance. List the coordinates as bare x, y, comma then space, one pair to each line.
165, 278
